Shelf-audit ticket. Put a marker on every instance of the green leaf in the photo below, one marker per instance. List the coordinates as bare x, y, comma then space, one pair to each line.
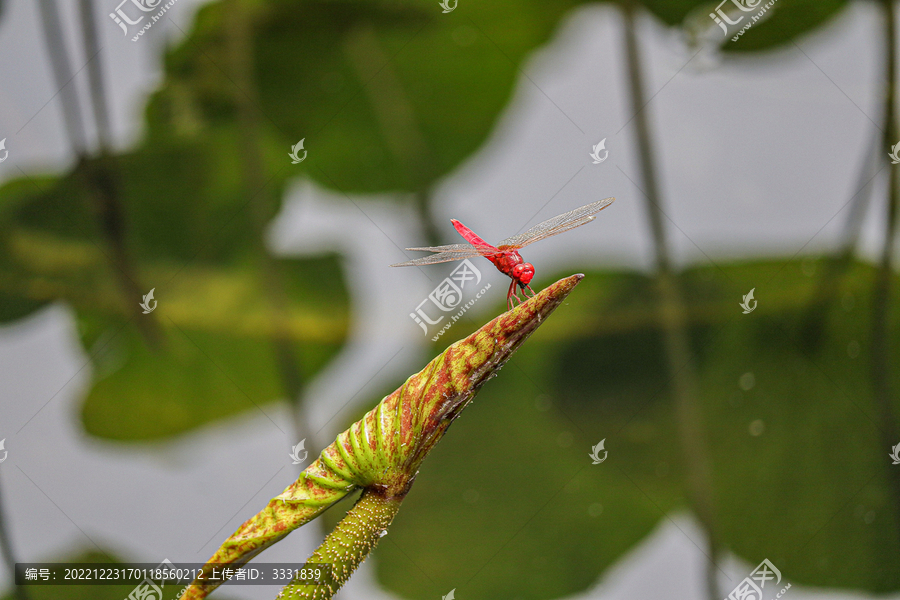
214, 320
388, 95
789, 21
778, 25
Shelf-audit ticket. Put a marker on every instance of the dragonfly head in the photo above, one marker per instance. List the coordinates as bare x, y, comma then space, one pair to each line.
523, 273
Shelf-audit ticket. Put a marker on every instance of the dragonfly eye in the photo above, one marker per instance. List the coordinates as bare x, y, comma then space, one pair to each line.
523, 272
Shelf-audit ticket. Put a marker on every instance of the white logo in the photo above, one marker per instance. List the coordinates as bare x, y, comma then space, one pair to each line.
895, 455
295, 452
449, 596
143, 5
744, 5
895, 160
746, 303
722, 20
295, 158
596, 153
748, 587
146, 303
595, 454
6, 152
448, 295
147, 589
445, 4
5, 452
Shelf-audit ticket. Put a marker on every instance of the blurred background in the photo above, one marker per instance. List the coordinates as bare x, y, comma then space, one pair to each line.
738, 428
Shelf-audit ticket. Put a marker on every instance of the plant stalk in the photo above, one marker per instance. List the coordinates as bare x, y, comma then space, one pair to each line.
241, 20
881, 346
101, 177
348, 545
95, 73
828, 286
673, 316
62, 74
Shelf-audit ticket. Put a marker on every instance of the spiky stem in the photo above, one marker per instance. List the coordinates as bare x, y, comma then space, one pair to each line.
348, 545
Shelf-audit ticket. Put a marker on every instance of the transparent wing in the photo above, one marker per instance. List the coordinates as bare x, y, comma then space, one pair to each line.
447, 248
441, 257
558, 224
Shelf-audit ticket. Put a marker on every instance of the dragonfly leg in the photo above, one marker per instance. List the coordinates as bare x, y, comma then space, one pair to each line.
528, 287
512, 294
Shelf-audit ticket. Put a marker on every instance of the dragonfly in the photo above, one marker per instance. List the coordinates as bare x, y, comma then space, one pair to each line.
505, 255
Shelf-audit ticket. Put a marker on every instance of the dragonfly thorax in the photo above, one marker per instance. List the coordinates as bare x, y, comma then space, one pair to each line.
512, 264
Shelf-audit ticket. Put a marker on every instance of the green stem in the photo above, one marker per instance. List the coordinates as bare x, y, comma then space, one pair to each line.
62, 74
101, 177
881, 347
673, 315
348, 544
837, 264
241, 21
97, 93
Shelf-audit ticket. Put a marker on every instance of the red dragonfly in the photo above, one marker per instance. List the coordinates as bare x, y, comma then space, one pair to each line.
505, 255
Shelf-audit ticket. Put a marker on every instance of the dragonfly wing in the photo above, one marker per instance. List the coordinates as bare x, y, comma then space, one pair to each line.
521, 240
441, 257
558, 224
447, 248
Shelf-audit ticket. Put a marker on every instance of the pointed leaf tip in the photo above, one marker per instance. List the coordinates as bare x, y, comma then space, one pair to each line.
382, 452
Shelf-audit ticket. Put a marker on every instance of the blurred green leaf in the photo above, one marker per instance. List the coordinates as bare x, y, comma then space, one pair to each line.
188, 239
777, 26
789, 21
389, 95
798, 471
